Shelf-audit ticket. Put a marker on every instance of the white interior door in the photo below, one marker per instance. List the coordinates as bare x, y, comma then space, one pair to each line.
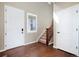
64, 33
14, 27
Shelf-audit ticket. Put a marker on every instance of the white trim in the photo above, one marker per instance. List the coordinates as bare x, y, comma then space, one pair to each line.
50, 43
11, 48
19, 46
30, 42
2, 50
28, 28
55, 47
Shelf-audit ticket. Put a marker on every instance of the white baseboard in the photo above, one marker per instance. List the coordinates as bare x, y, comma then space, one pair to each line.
18, 46
31, 42
2, 50
50, 43
63, 50
55, 47
10, 48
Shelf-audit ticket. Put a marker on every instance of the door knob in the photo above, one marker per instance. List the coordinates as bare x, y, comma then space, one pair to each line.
22, 29
58, 32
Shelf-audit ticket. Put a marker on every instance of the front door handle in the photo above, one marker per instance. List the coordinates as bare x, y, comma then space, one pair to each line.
22, 30
58, 32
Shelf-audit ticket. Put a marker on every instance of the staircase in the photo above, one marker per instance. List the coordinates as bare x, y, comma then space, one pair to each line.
47, 36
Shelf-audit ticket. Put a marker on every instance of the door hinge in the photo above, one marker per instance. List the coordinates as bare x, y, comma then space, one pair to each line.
76, 47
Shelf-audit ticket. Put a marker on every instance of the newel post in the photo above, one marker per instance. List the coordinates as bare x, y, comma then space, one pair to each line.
47, 36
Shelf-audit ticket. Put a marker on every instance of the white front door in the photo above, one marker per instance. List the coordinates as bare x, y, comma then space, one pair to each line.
14, 27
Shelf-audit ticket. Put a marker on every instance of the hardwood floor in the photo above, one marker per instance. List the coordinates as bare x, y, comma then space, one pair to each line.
36, 50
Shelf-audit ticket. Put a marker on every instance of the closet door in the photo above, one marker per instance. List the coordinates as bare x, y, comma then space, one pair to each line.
65, 39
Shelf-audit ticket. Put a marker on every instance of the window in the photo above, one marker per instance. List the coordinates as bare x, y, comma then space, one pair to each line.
31, 23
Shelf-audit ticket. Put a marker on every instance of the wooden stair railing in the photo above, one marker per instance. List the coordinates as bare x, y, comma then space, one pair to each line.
49, 34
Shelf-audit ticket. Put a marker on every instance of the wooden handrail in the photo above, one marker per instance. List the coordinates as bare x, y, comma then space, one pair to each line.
49, 34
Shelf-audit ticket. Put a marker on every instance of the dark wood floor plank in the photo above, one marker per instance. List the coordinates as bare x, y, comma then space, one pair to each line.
36, 50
